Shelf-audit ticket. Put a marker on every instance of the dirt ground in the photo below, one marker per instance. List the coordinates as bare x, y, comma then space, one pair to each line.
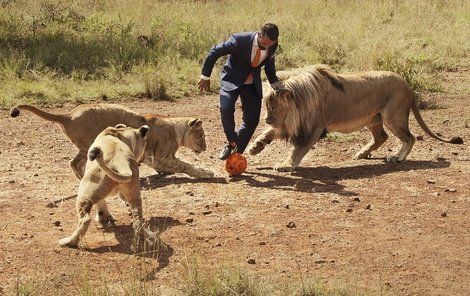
403, 228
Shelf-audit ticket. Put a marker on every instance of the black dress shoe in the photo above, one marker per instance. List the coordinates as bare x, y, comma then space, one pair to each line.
226, 151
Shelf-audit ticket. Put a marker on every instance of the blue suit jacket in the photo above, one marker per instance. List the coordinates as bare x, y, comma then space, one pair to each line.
238, 65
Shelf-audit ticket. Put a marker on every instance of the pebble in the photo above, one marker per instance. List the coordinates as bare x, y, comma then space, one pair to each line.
431, 181
450, 190
443, 214
349, 210
251, 261
207, 212
189, 220
369, 207
357, 199
420, 138
57, 223
262, 243
290, 225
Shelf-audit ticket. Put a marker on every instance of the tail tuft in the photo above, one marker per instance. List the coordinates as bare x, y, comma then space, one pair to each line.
456, 140
14, 112
94, 153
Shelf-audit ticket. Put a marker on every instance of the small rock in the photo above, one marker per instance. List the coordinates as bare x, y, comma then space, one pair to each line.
57, 223
218, 245
349, 210
357, 199
262, 243
420, 138
431, 181
443, 214
455, 153
287, 206
191, 213
450, 190
216, 204
20, 143
436, 194
321, 261
190, 193
251, 261
35, 175
207, 212
369, 207
189, 220
335, 201
290, 225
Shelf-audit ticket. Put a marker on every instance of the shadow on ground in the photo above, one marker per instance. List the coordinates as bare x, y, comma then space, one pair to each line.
325, 179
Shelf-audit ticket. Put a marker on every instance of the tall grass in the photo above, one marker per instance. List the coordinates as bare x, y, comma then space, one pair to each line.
53, 51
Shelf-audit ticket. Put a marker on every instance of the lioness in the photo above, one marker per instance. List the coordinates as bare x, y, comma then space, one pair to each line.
112, 168
85, 122
319, 100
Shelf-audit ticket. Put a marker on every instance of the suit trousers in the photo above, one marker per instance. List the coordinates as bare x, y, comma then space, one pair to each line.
251, 107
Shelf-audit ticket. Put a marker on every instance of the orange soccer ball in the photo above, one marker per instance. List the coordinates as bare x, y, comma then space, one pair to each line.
235, 164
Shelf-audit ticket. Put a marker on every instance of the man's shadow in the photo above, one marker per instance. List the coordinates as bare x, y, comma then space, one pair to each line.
325, 179
162, 180
124, 234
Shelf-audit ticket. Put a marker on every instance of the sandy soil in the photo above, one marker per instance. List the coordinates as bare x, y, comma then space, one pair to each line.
401, 227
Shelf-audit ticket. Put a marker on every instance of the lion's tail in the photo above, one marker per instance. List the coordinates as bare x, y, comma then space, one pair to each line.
422, 124
121, 177
58, 118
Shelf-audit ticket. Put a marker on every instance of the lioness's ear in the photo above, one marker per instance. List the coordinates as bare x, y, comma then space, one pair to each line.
143, 130
120, 125
195, 123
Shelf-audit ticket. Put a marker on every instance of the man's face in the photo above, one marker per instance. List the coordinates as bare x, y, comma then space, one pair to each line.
264, 42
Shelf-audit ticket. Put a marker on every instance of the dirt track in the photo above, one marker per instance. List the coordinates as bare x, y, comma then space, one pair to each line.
398, 227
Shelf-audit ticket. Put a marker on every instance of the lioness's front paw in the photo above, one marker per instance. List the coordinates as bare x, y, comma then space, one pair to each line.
362, 155
256, 148
68, 242
394, 159
204, 174
284, 167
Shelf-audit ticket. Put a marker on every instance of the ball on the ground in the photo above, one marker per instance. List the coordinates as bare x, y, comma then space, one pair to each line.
235, 164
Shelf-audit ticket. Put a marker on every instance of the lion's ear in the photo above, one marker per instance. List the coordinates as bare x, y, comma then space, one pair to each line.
196, 123
285, 93
143, 130
120, 125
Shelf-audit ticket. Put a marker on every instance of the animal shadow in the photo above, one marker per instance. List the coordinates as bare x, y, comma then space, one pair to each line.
124, 234
162, 180
325, 179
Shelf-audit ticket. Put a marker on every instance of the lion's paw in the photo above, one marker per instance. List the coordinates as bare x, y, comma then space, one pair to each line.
68, 242
256, 148
204, 174
283, 167
362, 155
393, 159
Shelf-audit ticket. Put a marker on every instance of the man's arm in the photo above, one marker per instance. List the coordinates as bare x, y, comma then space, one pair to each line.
216, 52
270, 70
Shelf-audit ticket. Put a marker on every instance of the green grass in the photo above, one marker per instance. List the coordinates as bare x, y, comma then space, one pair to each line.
194, 280
56, 51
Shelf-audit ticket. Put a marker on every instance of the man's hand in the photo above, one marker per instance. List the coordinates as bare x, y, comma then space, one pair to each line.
204, 84
278, 85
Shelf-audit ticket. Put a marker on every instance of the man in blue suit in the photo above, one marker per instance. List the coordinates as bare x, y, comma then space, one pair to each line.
241, 77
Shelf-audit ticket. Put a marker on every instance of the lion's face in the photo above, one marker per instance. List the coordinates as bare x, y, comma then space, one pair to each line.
195, 139
277, 107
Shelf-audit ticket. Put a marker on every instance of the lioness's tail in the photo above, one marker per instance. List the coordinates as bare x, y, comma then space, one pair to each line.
58, 118
121, 177
422, 124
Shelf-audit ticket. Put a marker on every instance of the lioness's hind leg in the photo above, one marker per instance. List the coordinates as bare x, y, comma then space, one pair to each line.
83, 209
379, 136
78, 164
103, 215
399, 127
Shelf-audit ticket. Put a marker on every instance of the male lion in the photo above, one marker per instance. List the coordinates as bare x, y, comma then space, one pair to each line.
112, 168
318, 100
85, 122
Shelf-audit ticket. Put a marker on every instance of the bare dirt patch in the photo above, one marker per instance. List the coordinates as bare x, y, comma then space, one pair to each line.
405, 226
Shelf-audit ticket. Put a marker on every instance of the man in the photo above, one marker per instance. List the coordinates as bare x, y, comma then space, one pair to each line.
241, 76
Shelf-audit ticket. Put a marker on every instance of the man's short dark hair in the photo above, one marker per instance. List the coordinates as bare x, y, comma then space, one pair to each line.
270, 30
